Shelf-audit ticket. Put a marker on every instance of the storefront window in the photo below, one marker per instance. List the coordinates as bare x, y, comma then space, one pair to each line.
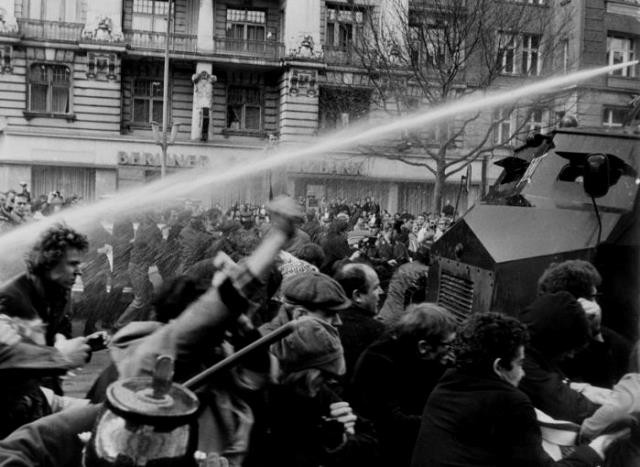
49, 88
244, 108
147, 100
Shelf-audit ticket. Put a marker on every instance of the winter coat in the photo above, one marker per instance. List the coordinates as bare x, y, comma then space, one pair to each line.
29, 297
549, 390
403, 283
481, 421
358, 331
300, 436
557, 325
50, 441
390, 387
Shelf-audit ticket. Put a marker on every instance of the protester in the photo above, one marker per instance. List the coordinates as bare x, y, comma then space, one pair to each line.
395, 375
603, 360
558, 328
41, 295
476, 416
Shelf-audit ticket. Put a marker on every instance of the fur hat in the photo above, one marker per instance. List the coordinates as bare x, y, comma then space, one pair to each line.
313, 344
315, 291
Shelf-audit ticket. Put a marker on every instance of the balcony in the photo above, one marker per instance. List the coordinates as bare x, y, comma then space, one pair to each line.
49, 30
338, 55
265, 50
156, 41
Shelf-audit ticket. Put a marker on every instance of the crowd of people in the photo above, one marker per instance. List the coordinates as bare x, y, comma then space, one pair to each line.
369, 373
17, 206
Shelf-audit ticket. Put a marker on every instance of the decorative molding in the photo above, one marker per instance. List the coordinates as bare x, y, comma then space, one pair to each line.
101, 30
306, 50
303, 82
102, 65
6, 56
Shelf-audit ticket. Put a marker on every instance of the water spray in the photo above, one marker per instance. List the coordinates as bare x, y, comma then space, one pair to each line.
13, 242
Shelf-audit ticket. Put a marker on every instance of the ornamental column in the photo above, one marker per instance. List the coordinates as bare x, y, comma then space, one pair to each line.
205, 26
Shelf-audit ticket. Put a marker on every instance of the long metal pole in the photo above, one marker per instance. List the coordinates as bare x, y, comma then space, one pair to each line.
165, 96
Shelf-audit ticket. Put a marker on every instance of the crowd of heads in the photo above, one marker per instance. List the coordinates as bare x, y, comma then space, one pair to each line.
341, 262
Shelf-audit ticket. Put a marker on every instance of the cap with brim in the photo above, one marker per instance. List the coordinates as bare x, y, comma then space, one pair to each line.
315, 291
31, 357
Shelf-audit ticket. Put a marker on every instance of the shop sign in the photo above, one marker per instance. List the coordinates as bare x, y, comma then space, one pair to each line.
149, 159
331, 167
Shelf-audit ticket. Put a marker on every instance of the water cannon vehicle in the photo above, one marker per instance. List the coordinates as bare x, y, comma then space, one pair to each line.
571, 194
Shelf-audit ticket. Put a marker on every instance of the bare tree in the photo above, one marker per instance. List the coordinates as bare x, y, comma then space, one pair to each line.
436, 51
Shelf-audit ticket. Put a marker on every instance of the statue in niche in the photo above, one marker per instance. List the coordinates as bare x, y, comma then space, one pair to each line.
8, 24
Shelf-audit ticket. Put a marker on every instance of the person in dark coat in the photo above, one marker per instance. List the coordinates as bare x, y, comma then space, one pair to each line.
41, 295
602, 362
395, 375
477, 417
310, 424
407, 286
359, 328
144, 254
335, 245
558, 328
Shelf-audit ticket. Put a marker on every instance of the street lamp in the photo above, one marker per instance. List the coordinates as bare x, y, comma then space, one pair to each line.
165, 97
164, 142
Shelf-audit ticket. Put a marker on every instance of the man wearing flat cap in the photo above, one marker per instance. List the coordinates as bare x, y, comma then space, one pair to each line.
310, 294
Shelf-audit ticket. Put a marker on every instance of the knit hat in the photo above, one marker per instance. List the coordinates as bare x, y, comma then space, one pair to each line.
557, 324
313, 344
315, 291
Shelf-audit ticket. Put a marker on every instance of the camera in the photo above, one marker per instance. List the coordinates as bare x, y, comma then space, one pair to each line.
97, 341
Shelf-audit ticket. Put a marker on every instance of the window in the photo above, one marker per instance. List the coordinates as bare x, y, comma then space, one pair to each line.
246, 25
52, 10
147, 101
339, 108
613, 117
344, 26
507, 51
531, 64
503, 126
537, 121
565, 55
49, 88
150, 15
620, 50
244, 108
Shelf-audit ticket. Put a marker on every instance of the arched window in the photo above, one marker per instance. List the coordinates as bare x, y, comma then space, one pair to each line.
49, 88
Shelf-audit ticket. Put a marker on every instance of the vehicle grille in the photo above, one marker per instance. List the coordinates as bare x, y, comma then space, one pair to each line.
456, 294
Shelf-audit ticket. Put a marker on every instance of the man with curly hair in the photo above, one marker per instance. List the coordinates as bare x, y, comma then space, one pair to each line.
476, 416
604, 360
41, 295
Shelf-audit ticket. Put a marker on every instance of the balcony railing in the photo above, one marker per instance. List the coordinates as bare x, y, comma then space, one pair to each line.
337, 55
269, 50
49, 30
155, 41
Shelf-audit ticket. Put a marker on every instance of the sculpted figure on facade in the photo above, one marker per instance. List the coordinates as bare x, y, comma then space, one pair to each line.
101, 29
203, 88
8, 24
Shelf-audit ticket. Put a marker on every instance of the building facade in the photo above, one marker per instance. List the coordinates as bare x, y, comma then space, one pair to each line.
81, 89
